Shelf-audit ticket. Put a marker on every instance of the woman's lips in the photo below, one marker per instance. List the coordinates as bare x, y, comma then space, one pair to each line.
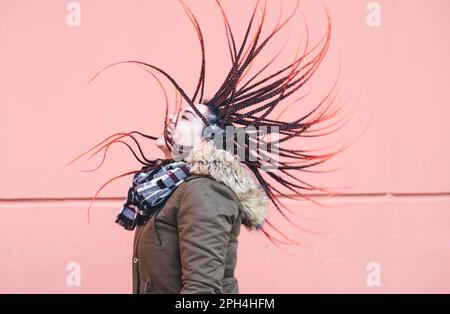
169, 132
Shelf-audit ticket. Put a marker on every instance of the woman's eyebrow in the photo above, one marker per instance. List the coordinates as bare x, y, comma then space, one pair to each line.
188, 111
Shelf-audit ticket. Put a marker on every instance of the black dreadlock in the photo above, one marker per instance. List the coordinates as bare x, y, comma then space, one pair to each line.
243, 103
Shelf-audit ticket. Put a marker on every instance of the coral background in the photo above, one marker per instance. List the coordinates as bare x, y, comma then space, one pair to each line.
392, 220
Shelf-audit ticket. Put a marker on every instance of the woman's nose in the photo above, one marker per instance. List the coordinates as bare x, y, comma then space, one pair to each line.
172, 119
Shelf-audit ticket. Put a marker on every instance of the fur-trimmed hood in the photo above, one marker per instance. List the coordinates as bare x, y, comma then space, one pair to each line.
206, 159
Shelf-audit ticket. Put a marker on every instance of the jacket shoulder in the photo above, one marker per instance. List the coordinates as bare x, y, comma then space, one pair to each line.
199, 183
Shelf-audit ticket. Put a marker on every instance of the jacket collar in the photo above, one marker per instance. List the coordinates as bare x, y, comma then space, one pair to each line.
206, 159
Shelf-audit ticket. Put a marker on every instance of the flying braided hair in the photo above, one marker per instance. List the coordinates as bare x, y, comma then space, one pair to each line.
250, 102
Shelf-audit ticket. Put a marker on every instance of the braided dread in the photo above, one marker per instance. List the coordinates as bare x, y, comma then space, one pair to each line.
241, 103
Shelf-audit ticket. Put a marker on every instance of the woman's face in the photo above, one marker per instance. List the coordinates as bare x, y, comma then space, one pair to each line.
188, 130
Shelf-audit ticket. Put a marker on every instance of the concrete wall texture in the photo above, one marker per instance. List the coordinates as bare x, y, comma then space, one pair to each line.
389, 230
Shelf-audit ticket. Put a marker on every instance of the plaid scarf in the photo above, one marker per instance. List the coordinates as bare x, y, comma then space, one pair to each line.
149, 192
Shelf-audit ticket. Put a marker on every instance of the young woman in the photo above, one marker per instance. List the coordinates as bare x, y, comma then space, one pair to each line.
189, 245
188, 207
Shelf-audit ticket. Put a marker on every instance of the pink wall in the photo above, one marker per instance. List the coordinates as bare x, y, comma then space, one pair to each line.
389, 233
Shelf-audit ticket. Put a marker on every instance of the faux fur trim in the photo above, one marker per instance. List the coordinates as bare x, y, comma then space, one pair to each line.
206, 159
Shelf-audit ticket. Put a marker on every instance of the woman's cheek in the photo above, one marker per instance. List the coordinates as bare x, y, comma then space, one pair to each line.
187, 136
